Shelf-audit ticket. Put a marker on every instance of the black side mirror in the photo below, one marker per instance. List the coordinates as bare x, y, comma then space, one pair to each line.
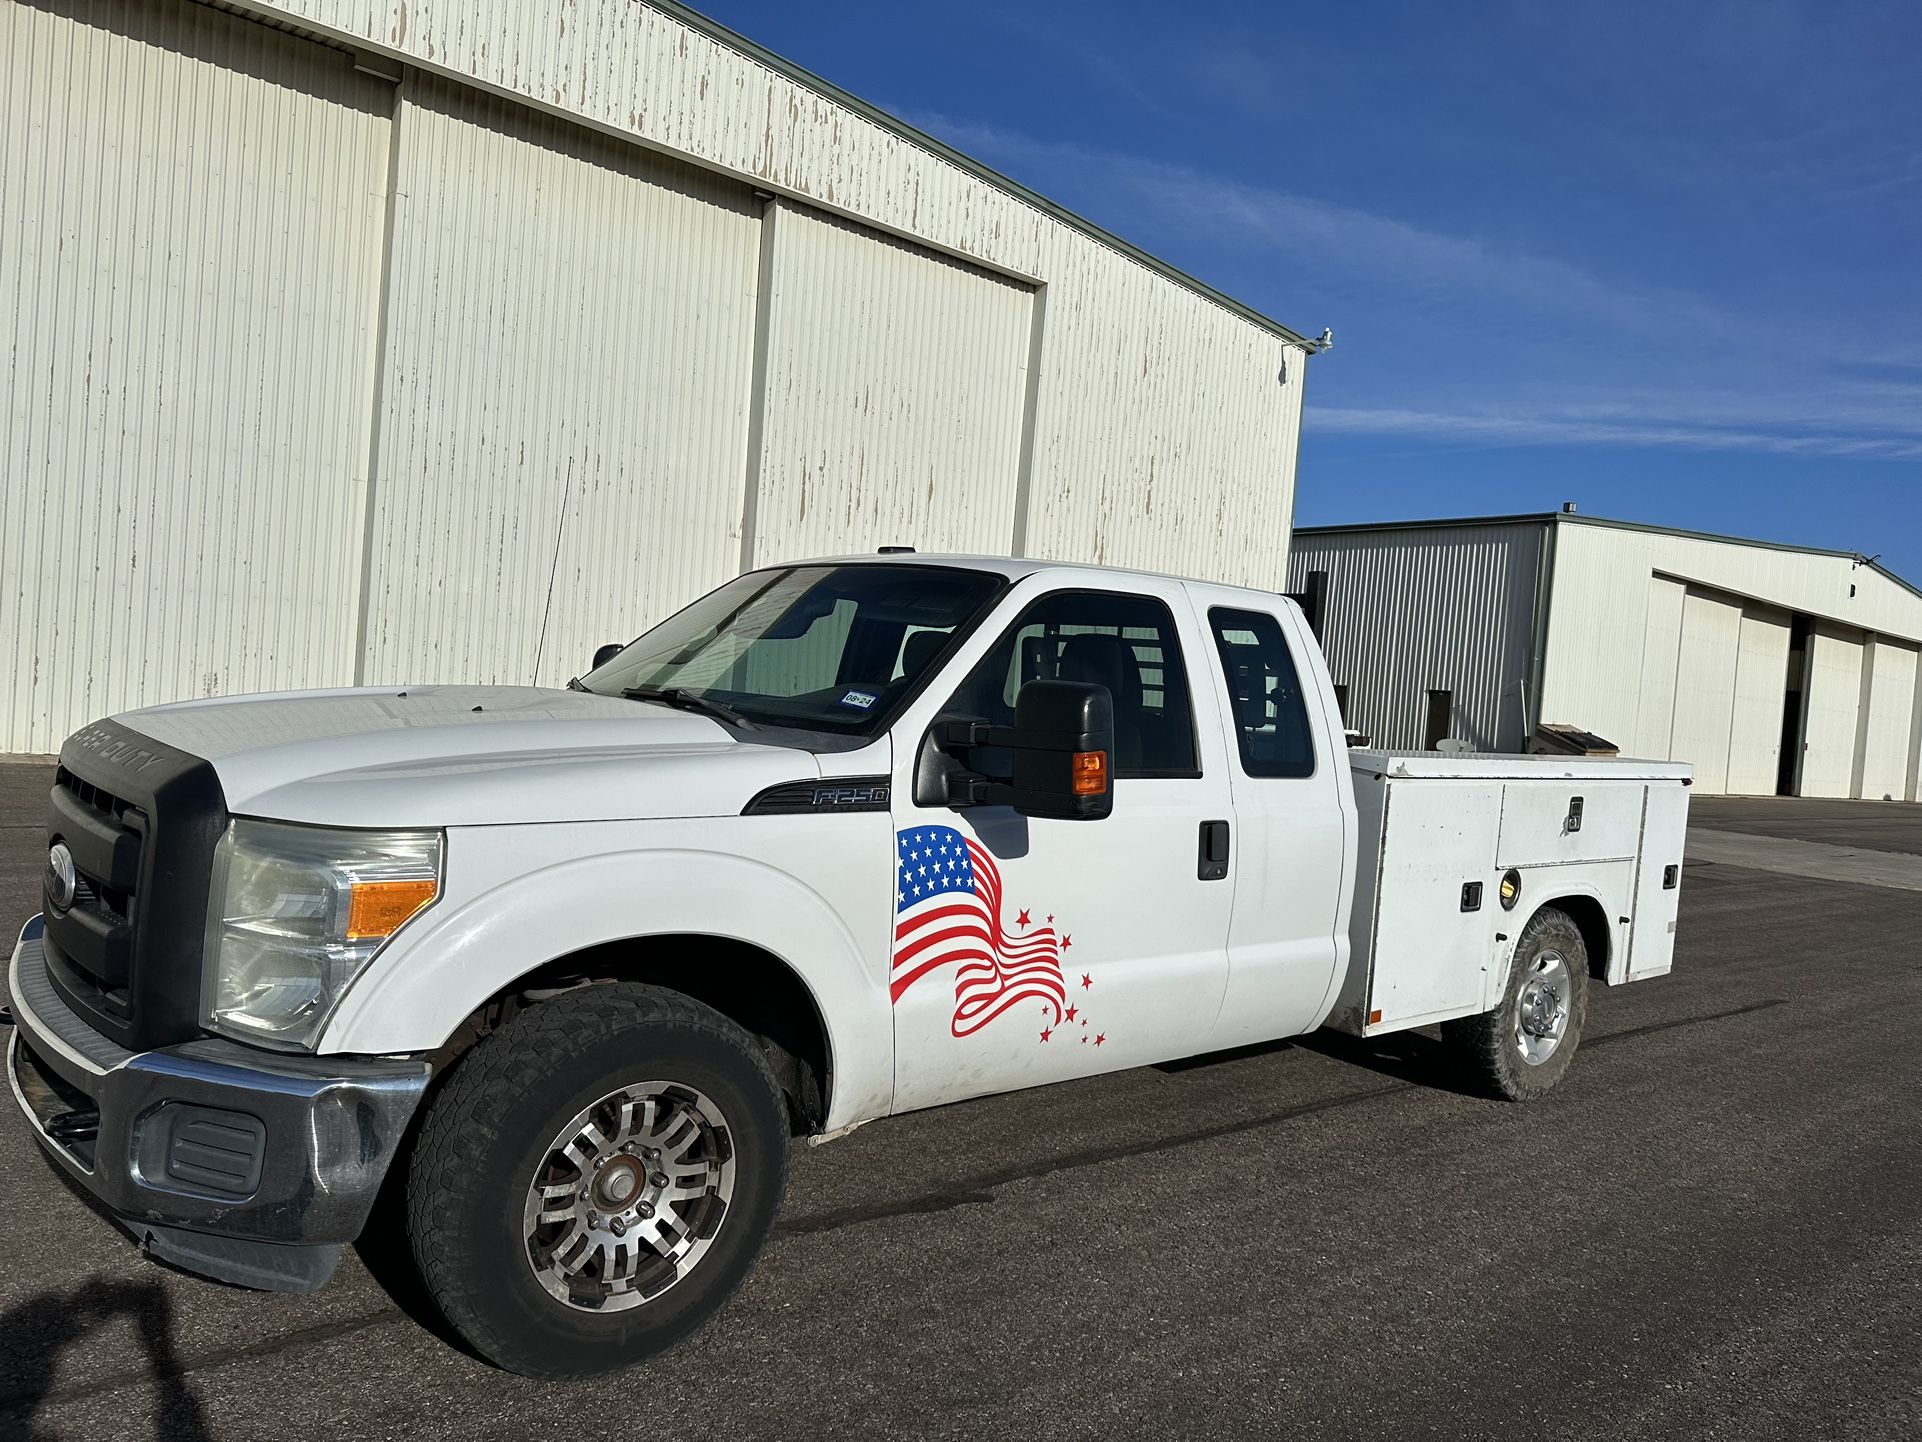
604, 654
1061, 743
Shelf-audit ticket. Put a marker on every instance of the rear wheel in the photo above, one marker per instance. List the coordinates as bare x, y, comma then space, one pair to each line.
595, 1179
1525, 1044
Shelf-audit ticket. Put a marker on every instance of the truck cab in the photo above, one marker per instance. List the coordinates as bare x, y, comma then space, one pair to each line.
561, 972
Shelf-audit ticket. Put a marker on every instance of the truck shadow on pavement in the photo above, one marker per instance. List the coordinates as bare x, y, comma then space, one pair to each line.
37, 1331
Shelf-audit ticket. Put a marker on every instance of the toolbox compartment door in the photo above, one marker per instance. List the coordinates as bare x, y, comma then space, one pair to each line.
1651, 946
1425, 951
1563, 819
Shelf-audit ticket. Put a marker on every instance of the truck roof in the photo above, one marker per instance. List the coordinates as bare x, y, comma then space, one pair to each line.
1017, 567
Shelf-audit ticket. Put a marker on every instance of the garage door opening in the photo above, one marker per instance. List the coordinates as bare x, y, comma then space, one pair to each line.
1788, 778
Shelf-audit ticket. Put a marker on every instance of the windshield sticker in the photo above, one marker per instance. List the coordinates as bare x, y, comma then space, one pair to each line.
860, 700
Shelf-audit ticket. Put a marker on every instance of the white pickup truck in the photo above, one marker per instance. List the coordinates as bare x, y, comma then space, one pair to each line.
566, 971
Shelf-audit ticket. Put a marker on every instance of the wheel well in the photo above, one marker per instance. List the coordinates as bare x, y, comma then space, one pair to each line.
745, 983
1592, 921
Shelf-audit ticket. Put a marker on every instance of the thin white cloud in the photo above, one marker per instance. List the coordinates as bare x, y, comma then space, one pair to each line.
1536, 430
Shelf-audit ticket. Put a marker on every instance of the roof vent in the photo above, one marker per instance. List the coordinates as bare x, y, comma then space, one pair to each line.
1568, 508
894, 551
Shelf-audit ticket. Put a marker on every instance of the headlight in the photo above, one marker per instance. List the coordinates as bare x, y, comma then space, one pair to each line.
297, 912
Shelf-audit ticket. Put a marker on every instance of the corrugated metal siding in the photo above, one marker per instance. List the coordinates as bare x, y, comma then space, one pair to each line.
1885, 745
895, 385
1165, 441
1437, 610
1831, 709
569, 351
190, 227
1164, 436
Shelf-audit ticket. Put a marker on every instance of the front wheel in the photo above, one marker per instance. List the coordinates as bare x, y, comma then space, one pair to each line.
595, 1179
1525, 1044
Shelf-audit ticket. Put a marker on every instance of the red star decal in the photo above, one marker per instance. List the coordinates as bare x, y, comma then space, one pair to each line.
1070, 1013
1046, 1032
1084, 1041
1100, 1037
1066, 942
1022, 919
1086, 980
1051, 918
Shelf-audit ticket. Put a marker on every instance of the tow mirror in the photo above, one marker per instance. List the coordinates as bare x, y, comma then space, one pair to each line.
1062, 742
604, 654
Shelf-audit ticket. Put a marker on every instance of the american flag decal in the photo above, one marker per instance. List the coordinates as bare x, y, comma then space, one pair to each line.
947, 908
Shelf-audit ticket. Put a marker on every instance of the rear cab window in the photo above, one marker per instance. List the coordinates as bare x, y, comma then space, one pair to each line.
1267, 710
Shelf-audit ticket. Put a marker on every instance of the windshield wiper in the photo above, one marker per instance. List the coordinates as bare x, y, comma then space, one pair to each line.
681, 699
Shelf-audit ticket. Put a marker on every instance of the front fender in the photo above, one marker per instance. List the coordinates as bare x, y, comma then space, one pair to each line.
500, 920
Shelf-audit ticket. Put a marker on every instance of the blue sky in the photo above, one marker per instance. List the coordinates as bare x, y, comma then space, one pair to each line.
1662, 260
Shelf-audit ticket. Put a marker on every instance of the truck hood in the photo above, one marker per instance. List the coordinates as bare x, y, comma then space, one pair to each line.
468, 756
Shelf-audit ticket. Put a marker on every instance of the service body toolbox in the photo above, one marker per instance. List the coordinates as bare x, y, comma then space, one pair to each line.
1431, 940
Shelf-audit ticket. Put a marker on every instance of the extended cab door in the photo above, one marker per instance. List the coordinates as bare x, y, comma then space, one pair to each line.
1293, 817
1031, 950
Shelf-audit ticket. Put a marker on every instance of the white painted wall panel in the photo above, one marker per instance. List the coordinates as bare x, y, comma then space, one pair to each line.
1831, 708
1705, 688
1761, 682
190, 228
569, 356
1449, 609
1885, 744
896, 381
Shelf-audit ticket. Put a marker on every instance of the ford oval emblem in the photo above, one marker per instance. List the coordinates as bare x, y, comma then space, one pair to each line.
63, 883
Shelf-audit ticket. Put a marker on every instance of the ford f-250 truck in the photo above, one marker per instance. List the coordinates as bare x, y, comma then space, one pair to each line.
568, 969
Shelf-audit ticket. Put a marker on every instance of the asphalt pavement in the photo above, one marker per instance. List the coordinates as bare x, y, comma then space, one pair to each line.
1713, 1228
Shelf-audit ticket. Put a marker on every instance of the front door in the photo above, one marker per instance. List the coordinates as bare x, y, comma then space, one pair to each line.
1027, 950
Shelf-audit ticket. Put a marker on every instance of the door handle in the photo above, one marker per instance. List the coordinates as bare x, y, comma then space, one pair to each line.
1211, 860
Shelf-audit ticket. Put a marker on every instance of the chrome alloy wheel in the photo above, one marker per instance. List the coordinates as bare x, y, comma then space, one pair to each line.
1541, 1011
629, 1196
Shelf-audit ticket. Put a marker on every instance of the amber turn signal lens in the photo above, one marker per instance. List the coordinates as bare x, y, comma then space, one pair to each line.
1090, 773
379, 907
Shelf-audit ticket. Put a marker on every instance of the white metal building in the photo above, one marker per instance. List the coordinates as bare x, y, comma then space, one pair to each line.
1772, 669
411, 340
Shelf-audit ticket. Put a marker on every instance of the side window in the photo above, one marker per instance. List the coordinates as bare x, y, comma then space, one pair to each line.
1126, 643
1270, 716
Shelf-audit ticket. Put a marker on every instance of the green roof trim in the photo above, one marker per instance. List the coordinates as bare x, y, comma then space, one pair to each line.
1575, 518
715, 30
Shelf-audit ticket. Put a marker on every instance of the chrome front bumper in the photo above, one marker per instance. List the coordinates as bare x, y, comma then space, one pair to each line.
245, 1165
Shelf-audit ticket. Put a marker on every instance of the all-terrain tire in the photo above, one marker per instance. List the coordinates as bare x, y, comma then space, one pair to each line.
1502, 1051
489, 1133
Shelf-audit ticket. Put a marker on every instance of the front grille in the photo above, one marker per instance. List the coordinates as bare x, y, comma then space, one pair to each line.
141, 820
88, 794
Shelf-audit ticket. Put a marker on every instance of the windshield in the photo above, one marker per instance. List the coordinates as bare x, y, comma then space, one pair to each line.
824, 648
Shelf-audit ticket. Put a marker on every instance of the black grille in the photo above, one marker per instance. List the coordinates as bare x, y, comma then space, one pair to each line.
88, 794
141, 820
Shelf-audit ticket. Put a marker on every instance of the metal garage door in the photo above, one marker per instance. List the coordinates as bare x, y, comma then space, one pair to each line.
1885, 745
894, 394
1705, 688
1761, 680
1831, 702
192, 208
562, 419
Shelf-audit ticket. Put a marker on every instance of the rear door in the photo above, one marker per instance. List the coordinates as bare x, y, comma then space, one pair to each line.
1030, 950
1292, 822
